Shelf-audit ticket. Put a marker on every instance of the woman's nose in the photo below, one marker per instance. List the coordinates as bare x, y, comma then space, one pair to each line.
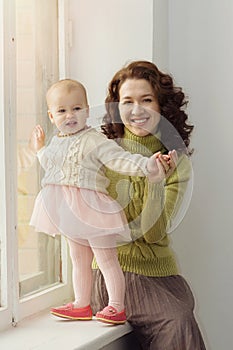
137, 109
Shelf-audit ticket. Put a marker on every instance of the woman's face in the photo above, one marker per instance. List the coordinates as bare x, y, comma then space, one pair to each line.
138, 106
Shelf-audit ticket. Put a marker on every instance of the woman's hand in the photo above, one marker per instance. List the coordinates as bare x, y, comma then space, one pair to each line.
161, 166
37, 139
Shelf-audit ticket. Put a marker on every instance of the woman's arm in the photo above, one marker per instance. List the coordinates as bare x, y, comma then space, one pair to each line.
163, 201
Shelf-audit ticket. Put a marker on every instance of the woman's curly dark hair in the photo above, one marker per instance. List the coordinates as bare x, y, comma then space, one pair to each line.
171, 100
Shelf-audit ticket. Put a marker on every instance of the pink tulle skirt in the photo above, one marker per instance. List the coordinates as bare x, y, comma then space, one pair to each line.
80, 214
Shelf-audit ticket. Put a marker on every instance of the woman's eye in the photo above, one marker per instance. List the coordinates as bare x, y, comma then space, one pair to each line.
127, 102
148, 100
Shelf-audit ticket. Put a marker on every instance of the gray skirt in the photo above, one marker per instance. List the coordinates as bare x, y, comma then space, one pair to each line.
160, 310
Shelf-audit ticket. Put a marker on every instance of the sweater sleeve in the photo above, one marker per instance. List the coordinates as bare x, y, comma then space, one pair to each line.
124, 162
113, 156
41, 155
163, 202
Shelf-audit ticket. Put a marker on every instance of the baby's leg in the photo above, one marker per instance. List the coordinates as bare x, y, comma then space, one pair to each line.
81, 256
108, 263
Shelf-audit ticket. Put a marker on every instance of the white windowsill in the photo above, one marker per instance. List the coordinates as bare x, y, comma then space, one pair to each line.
46, 332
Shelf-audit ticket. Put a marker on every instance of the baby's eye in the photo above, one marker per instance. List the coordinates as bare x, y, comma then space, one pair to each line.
62, 110
77, 108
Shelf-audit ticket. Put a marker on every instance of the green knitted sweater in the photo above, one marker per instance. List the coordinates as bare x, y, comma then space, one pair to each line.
150, 210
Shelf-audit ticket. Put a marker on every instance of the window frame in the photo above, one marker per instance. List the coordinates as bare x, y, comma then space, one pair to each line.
12, 308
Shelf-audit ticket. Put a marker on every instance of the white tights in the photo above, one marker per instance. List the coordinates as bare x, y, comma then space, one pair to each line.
107, 260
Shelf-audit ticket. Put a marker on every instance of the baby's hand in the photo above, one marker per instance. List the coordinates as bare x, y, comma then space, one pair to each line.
161, 166
37, 139
171, 160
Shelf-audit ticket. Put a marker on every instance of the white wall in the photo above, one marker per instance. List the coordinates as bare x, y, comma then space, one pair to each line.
199, 53
201, 58
106, 35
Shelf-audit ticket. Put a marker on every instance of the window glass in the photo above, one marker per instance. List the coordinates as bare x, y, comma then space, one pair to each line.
37, 68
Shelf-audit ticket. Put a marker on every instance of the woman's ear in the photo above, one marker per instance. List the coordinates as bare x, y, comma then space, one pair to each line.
50, 117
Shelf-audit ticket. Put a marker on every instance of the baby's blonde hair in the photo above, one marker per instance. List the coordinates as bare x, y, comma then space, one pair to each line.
68, 85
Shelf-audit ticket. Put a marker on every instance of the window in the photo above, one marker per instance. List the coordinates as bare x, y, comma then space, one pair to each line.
33, 267
37, 67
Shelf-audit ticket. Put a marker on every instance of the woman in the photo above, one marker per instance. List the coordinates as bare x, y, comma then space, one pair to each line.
145, 114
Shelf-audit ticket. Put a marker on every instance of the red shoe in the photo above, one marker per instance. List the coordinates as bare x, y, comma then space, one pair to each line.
69, 311
110, 315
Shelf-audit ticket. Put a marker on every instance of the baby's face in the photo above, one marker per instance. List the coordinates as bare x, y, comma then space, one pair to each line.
68, 110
